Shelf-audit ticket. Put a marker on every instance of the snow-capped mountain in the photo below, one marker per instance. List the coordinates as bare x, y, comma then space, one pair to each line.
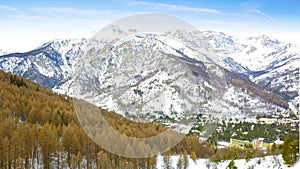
48, 65
147, 71
266, 61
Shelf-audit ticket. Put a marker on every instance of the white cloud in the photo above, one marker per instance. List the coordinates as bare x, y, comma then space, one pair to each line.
65, 10
264, 14
252, 7
215, 22
74, 11
26, 17
172, 7
9, 8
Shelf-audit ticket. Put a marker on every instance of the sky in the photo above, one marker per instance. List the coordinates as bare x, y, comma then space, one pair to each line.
25, 25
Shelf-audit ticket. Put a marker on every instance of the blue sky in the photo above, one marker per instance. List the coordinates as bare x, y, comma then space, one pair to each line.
27, 24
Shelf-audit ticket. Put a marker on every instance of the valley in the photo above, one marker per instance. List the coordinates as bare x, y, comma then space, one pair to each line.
220, 108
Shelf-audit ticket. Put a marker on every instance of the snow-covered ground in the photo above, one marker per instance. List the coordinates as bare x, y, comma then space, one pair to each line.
270, 162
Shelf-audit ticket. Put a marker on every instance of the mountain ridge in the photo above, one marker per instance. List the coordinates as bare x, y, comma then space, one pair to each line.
55, 66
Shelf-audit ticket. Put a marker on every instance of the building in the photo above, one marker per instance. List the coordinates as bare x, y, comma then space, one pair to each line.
240, 143
261, 145
258, 143
267, 120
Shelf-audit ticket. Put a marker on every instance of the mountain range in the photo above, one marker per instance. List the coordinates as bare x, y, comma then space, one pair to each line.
148, 72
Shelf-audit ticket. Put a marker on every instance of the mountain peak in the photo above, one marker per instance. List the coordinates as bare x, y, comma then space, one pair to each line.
49, 65
58, 43
264, 40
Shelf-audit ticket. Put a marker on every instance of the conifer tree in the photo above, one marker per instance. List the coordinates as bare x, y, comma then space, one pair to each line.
48, 138
231, 165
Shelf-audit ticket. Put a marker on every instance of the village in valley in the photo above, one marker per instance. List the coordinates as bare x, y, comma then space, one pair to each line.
261, 132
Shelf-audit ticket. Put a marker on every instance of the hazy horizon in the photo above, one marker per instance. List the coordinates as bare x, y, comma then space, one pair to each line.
28, 24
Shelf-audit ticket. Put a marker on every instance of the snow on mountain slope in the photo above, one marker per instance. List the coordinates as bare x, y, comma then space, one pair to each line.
149, 73
254, 53
49, 65
266, 61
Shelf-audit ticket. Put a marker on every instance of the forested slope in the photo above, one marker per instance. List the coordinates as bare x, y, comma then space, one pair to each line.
40, 128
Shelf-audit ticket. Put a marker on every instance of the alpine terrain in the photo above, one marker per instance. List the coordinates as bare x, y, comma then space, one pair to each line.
147, 72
